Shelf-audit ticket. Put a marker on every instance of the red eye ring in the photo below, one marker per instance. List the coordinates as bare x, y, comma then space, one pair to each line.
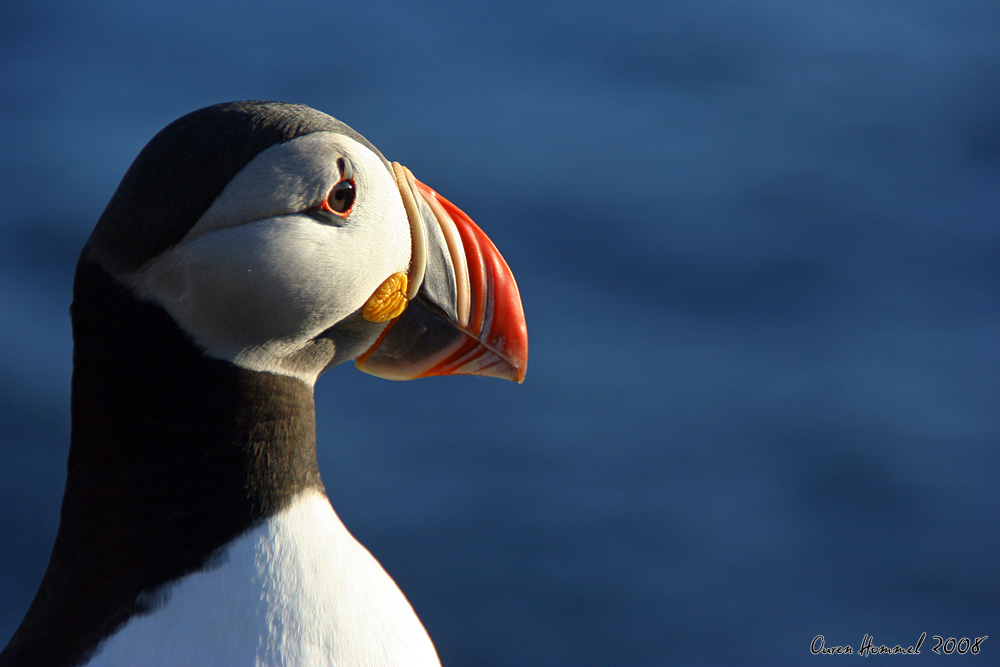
340, 201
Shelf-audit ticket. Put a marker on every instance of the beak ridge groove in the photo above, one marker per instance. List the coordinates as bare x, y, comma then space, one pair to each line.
479, 327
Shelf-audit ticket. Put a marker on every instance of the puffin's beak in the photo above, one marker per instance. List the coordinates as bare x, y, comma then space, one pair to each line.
464, 313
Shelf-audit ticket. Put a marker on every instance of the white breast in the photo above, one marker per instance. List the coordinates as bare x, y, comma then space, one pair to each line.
297, 590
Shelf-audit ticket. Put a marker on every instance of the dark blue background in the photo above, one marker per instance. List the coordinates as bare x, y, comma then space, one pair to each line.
758, 246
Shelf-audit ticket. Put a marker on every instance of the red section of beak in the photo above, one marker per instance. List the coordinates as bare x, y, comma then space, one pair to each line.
496, 322
466, 317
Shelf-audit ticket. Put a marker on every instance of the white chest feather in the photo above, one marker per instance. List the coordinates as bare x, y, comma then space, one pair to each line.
297, 590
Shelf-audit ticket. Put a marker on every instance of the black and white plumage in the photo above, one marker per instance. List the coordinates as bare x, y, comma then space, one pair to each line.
250, 247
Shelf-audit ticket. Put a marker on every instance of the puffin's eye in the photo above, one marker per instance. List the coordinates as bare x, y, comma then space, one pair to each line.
341, 197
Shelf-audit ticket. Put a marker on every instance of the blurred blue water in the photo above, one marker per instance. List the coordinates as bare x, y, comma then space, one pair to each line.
758, 248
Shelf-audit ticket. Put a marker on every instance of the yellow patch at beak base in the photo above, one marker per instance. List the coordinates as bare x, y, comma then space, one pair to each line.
388, 301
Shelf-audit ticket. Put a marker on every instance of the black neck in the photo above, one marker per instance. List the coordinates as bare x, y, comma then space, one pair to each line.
173, 455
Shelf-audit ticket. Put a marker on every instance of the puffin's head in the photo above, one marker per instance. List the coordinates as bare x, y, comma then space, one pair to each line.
281, 240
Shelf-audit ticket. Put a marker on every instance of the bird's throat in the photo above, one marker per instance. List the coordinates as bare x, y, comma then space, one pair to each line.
172, 456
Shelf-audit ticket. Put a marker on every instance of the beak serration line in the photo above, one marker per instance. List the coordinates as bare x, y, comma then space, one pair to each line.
418, 234
452, 238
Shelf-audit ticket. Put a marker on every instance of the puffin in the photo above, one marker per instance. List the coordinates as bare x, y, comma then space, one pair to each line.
250, 247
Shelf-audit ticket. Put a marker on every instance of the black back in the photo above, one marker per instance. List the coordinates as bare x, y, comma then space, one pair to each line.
173, 455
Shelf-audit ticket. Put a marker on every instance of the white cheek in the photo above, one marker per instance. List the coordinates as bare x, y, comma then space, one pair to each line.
257, 283
255, 280
271, 285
